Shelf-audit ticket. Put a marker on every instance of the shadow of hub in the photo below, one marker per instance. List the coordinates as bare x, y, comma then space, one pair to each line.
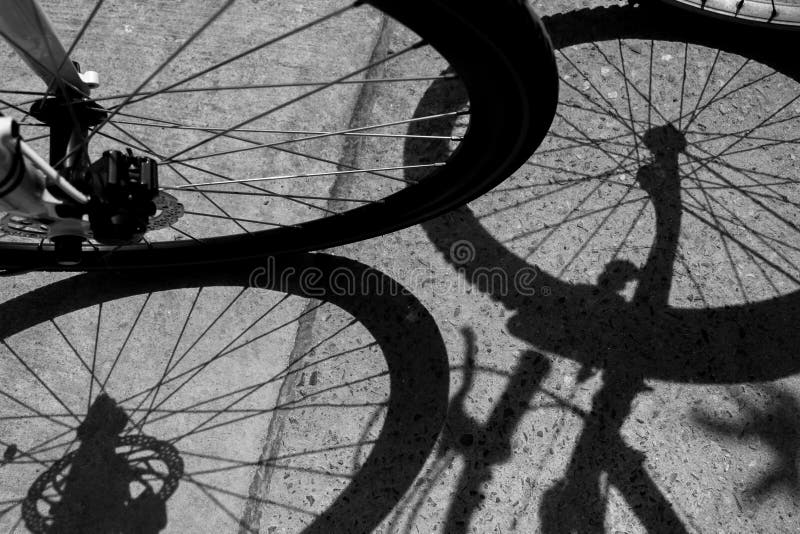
111, 483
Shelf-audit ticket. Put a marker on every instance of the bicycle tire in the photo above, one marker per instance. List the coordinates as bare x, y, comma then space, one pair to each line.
504, 58
384, 449
769, 13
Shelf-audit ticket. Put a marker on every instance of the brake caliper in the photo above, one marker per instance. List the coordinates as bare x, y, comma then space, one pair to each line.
123, 190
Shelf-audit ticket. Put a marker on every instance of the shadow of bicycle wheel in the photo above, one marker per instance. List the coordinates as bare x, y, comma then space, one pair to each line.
326, 437
658, 174
590, 322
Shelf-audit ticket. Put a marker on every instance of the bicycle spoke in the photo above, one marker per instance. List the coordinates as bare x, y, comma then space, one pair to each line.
37, 413
710, 159
737, 221
171, 357
122, 347
320, 135
625, 77
21, 92
578, 218
289, 456
170, 367
730, 93
266, 463
86, 23
616, 169
597, 110
613, 140
607, 217
75, 351
92, 377
8, 105
165, 413
215, 88
304, 197
281, 375
563, 187
683, 80
316, 135
295, 176
761, 205
185, 44
228, 350
304, 96
628, 95
235, 219
26, 454
699, 109
716, 136
185, 234
757, 254
39, 379
14, 506
307, 156
592, 143
211, 325
718, 227
608, 111
247, 183
47, 445
53, 416
195, 370
207, 488
211, 406
131, 99
202, 427
185, 179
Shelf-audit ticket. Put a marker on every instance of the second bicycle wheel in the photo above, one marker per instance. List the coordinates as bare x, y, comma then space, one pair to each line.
777, 14
281, 127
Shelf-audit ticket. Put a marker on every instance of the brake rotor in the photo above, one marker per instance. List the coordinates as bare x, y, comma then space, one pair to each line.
169, 210
18, 226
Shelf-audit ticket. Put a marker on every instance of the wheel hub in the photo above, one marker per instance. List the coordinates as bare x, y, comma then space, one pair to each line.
168, 212
123, 188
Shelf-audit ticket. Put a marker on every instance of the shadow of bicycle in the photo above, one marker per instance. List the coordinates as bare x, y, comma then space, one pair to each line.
674, 134
299, 394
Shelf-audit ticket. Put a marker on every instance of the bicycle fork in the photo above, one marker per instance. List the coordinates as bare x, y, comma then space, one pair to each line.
69, 198
24, 175
22, 187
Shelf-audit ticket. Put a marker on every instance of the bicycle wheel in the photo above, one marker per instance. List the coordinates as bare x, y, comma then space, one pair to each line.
210, 402
778, 14
281, 129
